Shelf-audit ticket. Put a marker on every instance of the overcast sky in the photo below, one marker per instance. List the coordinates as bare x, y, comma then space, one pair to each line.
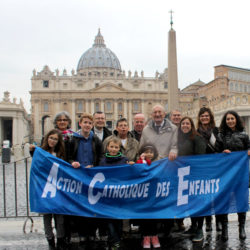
56, 33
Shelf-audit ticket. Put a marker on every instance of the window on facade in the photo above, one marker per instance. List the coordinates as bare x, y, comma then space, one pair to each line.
231, 86
150, 86
79, 106
136, 106
97, 85
79, 85
165, 85
65, 85
108, 106
241, 87
97, 106
111, 74
120, 85
46, 106
120, 107
45, 84
236, 87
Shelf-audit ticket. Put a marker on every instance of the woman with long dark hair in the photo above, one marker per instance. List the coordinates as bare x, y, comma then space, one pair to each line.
207, 129
232, 137
53, 143
191, 143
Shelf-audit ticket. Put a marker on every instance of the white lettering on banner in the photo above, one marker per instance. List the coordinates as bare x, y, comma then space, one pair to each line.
93, 199
182, 185
194, 187
162, 189
63, 184
116, 191
51, 182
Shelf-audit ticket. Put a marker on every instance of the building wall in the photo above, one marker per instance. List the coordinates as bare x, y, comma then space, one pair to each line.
117, 95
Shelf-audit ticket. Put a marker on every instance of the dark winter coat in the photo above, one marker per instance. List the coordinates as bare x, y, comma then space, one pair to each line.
188, 146
96, 149
107, 160
232, 140
210, 136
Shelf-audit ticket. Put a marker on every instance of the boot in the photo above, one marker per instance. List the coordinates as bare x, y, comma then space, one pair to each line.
208, 223
224, 233
61, 244
242, 220
51, 242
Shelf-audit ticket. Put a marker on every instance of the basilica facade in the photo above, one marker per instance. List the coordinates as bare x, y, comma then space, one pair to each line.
98, 84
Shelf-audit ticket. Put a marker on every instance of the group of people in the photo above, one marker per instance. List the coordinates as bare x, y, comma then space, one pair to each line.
159, 137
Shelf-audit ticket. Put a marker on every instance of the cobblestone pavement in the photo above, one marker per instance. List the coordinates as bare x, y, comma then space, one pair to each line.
13, 238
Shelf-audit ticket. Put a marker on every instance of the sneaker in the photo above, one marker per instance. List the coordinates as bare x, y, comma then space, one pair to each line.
155, 242
198, 236
116, 246
146, 242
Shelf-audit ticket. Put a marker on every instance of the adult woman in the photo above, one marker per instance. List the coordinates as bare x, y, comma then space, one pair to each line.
232, 137
207, 129
190, 143
62, 123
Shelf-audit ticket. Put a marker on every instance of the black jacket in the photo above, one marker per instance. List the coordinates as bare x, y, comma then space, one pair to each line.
106, 133
96, 149
232, 140
206, 135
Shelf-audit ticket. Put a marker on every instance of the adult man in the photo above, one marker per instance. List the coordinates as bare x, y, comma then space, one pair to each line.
99, 128
162, 133
130, 145
175, 117
139, 124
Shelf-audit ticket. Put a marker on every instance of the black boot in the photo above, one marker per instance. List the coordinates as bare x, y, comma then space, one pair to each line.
208, 223
61, 244
224, 233
52, 245
242, 220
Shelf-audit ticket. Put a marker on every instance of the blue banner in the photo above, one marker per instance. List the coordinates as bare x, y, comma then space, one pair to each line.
189, 186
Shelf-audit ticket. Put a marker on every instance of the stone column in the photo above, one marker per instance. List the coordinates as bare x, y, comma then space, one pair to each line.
37, 122
73, 114
173, 97
125, 108
115, 110
92, 106
87, 106
1, 131
130, 110
102, 106
143, 107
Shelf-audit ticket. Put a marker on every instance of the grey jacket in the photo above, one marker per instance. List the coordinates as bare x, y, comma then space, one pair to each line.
131, 149
165, 140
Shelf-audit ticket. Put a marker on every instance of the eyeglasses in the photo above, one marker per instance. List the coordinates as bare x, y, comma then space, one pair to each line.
53, 138
62, 120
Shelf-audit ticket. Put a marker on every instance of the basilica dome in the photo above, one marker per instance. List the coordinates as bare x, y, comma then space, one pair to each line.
99, 56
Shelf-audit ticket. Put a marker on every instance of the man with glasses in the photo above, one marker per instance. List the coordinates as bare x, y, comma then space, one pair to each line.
99, 122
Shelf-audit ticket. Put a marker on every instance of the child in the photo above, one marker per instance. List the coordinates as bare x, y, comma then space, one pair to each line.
114, 157
53, 143
148, 153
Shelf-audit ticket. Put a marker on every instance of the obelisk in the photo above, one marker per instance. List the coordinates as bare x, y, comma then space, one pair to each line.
173, 97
